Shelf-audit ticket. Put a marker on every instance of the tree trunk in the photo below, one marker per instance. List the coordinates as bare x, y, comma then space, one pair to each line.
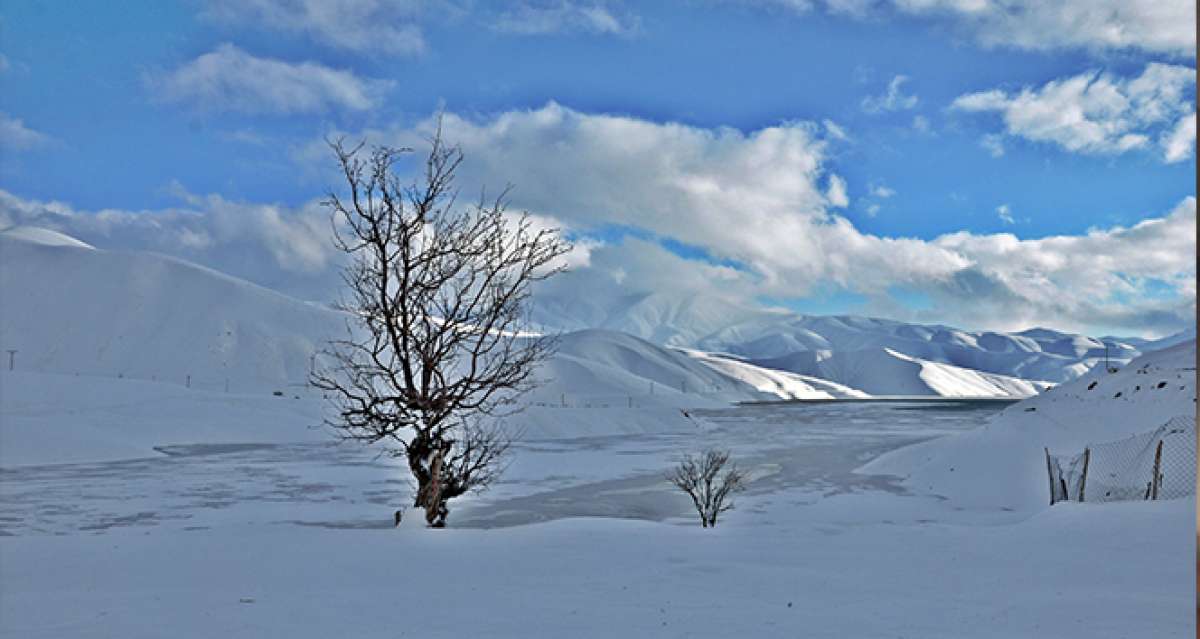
428, 464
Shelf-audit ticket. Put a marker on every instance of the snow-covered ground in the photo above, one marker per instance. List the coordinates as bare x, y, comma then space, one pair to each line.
582, 538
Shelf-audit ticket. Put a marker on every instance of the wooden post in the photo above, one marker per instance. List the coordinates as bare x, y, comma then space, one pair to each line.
1087, 457
1156, 478
1050, 474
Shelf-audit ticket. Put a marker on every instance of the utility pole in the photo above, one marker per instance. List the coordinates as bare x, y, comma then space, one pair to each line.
12, 352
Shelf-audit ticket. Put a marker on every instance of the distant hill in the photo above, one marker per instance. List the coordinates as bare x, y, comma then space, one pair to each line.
777, 338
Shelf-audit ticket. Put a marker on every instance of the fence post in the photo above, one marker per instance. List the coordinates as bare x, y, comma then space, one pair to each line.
1087, 457
1156, 479
1050, 474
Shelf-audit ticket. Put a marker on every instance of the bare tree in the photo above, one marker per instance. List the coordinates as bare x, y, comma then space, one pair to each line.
438, 349
700, 477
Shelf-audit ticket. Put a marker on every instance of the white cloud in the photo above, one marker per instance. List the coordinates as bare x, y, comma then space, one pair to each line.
563, 16
14, 135
993, 144
1180, 143
1101, 278
1004, 213
881, 191
920, 124
835, 131
1093, 112
873, 209
1160, 26
362, 26
893, 99
835, 193
233, 80
1154, 26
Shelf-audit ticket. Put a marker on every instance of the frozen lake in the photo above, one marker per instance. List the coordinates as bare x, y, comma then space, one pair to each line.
813, 447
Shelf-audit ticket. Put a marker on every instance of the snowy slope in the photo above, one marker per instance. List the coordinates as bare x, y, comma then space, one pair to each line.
779, 383
595, 364
1002, 464
1037, 354
69, 308
716, 325
883, 371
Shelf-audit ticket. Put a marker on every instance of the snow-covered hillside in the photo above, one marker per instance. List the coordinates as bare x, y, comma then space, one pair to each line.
762, 336
883, 371
66, 307
779, 383
1003, 465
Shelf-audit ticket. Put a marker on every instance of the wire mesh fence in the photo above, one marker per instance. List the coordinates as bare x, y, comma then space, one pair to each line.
1160, 464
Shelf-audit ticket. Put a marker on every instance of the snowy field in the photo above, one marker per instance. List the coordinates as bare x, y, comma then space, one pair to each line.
582, 538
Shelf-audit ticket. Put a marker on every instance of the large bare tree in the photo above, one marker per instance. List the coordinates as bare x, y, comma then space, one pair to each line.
438, 349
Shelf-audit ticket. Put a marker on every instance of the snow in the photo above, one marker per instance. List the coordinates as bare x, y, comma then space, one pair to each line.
715, 325
1002, 465
53, 418
775, 382
137, 505
885, 372
44, 237
583, 538
152, 317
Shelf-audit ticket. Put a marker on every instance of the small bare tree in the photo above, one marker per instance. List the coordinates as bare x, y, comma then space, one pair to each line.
438, 348
711, 491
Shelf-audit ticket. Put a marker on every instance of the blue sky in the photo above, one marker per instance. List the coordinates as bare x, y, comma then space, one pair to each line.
115, 106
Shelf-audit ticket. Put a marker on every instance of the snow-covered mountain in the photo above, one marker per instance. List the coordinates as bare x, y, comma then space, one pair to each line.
67, 307
782, 339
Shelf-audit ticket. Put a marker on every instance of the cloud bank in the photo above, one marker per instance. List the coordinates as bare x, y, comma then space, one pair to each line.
713, 212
